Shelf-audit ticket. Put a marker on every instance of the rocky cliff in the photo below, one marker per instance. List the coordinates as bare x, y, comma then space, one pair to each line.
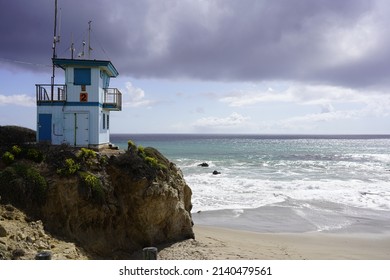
110, 205
21, 238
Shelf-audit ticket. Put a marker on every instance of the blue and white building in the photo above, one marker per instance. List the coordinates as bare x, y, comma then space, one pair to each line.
77, 113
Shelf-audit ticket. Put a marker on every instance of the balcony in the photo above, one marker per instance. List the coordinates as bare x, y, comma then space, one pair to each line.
46, 93
112, 99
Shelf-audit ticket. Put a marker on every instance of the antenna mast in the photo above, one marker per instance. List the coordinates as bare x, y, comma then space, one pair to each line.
89, 39
55, 41
72, 48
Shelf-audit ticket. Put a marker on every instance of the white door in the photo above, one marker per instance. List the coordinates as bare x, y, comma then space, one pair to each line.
82, 131
76, 129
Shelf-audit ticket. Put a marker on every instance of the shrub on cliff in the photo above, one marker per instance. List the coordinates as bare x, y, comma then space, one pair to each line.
8, 158
91, 186
35, 155
16, 150
131, 146
158, 160
154, 163
134, 165
22, 185
88, 156
70, 167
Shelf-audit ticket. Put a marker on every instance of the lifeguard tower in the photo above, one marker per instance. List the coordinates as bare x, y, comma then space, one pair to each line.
77, 112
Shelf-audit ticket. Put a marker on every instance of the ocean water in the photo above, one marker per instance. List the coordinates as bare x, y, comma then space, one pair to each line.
282, 183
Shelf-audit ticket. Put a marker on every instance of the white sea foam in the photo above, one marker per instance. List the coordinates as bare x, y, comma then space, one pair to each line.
223, 192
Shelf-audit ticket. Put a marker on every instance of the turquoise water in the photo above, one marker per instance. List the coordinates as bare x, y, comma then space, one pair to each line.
263, 170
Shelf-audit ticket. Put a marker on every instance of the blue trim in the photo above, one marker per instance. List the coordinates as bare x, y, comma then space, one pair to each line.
110, 106
89, 104
104, 64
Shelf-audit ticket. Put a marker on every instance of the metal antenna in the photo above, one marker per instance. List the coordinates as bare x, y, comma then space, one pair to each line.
89, 39
54, 49
59, 27
72, 49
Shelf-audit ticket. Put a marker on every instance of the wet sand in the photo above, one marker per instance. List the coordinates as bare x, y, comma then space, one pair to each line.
217, 243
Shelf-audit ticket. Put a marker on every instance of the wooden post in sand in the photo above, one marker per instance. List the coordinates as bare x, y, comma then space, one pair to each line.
150, 253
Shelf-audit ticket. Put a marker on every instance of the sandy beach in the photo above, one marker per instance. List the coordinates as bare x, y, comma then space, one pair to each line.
215, 243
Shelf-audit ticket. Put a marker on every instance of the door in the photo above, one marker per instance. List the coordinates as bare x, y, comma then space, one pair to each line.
76, 129
82, 131
44, 127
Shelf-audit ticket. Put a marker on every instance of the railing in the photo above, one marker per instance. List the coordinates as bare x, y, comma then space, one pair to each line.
112, 99
50, 93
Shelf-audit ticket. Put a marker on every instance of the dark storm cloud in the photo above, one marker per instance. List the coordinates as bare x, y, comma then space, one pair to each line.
248, 40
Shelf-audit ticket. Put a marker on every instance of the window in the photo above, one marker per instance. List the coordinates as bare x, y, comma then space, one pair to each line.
82, 76
105, 78
108, 121
104, 121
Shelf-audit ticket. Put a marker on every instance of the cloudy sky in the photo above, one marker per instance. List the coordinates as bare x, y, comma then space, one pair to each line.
212, 66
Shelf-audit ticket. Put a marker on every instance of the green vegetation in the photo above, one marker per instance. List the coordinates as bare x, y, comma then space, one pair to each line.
86, 154
70, 168
149, 157
131, 145
141, 151
93, 184
35, 155
156, 159
16, 150
103, 160
22, 184
8, 158
153, 162
7, 176
33, 179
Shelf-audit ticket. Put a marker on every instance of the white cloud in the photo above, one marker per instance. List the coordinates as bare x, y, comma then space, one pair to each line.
19, 100
335, 104
295, 93
324, 96
233, 120
135, 97
327, 108
309, 122
251, 97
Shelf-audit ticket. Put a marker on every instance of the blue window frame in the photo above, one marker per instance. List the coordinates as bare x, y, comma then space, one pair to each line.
82, 76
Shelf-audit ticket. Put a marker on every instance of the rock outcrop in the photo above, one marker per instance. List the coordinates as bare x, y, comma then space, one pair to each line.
22, 238
10, 135
138, 210
110, 206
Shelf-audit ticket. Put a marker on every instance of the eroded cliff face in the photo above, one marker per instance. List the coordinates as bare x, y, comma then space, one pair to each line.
22, 238
112, 206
